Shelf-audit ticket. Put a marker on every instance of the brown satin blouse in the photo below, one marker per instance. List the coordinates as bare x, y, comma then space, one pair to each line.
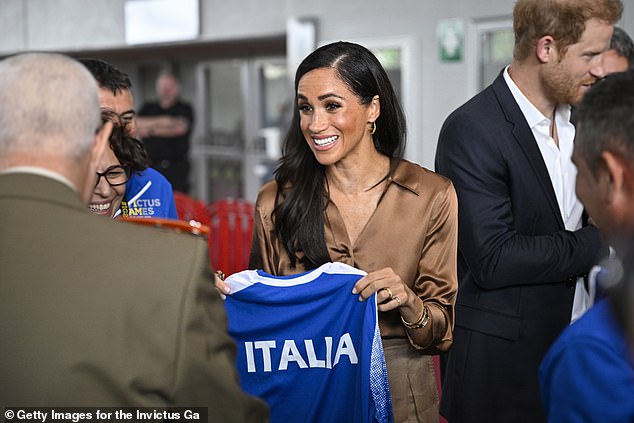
413, 230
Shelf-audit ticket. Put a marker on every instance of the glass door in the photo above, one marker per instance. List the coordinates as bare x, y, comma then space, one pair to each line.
242, 105
218, 146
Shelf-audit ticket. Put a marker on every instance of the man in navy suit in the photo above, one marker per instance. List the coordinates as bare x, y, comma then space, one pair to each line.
524, 245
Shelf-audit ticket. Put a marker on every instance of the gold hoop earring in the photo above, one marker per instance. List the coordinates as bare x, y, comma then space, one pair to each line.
373, 130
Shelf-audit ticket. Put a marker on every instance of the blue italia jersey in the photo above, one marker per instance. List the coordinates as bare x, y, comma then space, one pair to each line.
308, 346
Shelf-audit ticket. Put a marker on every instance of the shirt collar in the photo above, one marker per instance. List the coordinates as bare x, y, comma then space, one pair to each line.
404, 178
532, 115
41, 172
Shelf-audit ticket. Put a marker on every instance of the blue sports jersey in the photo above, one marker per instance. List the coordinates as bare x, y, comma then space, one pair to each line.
149, 194
308, 346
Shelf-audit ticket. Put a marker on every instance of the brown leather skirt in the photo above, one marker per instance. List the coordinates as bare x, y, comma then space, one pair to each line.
412, 380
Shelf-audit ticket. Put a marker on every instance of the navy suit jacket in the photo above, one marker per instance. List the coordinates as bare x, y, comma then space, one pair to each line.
517, 264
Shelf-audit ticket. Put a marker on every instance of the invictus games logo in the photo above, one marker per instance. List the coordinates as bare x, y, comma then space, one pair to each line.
144, 207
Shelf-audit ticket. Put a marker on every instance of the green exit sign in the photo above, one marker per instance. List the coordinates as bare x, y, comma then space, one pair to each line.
450, 40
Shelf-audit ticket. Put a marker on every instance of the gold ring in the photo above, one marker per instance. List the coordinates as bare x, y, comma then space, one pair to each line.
398, 300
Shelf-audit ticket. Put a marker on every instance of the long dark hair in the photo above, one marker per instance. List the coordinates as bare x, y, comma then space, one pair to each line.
301, 180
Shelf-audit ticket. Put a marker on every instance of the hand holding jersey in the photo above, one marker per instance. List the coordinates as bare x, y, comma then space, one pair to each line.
307, 347
393, 293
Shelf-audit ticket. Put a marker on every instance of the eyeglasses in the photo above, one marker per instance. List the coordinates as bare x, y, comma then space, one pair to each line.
115, 175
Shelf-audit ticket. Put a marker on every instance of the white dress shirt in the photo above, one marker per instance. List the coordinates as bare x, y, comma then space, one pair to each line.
561, 170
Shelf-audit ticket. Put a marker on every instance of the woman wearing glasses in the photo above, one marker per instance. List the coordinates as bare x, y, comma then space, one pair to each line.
125, 155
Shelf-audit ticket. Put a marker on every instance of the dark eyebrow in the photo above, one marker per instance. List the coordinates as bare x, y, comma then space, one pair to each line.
325, 96
322, 97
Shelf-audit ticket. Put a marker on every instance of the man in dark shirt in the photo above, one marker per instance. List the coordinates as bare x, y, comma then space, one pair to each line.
165, 127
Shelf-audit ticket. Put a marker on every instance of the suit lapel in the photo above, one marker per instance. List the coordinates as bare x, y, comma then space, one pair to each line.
524, 137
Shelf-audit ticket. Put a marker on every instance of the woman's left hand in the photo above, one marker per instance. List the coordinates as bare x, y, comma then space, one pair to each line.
391, 294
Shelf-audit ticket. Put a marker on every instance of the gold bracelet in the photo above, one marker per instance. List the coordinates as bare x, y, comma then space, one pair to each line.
421, 322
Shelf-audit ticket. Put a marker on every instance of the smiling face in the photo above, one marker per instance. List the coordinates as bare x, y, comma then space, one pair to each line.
567, 78
334, 122
106, 199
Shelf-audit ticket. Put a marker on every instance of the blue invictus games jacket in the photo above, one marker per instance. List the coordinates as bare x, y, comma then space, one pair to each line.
308, 346
587, 375
148, 194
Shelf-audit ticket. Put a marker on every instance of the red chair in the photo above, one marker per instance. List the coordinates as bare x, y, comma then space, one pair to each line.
189, 208
230, 229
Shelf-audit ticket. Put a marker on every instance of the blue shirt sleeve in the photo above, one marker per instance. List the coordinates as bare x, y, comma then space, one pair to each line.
588, 378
